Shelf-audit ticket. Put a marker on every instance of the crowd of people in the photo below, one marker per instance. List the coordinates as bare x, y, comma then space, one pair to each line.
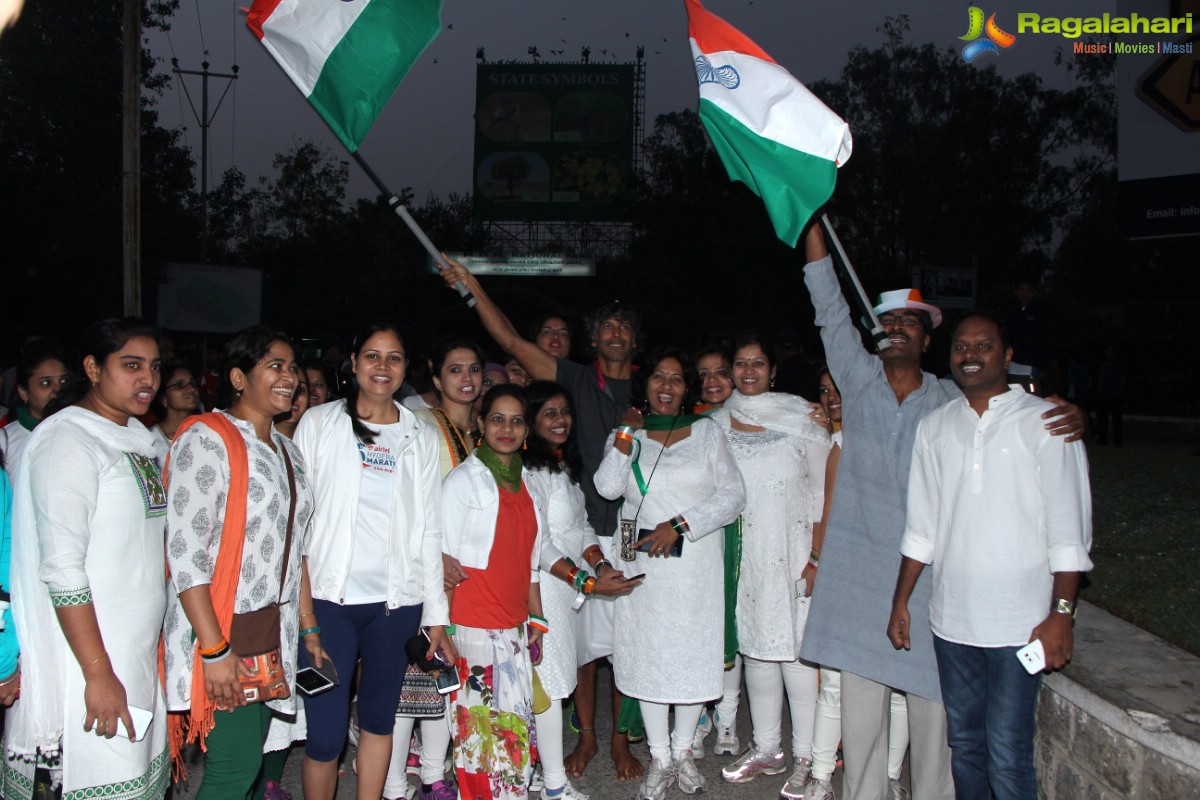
435, 574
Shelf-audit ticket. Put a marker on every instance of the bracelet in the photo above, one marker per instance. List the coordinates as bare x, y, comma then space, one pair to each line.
680, 524
216, 648
623, 434
313, 629
94, 661
593, 549
307, 614
812, 563
602, 562
581, 578
539, 623
450, 629
219, 655
589, 586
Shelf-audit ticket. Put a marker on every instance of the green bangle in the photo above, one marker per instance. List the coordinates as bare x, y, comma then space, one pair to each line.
313, 629
450, 629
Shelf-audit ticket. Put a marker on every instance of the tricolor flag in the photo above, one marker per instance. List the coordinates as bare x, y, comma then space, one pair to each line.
772, 134
347, 57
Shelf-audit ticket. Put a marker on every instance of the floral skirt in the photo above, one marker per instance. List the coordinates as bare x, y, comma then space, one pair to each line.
494, 742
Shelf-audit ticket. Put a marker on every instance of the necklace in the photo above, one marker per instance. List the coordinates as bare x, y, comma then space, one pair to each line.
458, 443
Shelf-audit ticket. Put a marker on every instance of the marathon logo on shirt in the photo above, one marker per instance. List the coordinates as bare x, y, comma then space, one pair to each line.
377, 457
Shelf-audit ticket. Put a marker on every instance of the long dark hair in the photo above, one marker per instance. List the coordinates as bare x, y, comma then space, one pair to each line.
101, 340
247, 347
642, 376
540, 453
361, 431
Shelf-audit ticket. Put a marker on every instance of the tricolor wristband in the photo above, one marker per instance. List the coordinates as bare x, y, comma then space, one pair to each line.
539, 623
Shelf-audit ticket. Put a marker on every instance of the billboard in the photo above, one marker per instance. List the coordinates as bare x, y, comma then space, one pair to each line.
1158, 125
553, 141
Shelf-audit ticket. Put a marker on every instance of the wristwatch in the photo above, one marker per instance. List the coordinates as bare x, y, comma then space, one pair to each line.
1062, 606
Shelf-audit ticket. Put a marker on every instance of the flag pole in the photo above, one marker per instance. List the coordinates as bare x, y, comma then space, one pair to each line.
882, 342
402, 212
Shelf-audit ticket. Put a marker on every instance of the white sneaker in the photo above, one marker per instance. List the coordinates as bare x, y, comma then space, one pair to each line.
752, 763
688, 777
727, 738
569, 792
658, 779
794, 788
898, 792
818, 789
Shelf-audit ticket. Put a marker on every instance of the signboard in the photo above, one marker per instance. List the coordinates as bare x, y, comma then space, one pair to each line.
946, 287
553, 141
205, 298
541, 265
1158, 125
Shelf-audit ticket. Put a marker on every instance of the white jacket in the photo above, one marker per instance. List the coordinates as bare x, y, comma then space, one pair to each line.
470, 505
326, 438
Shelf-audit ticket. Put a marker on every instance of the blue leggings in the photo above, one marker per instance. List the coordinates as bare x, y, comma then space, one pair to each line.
375, 635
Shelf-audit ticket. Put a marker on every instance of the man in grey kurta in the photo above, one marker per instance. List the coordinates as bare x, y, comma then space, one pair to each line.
882, 403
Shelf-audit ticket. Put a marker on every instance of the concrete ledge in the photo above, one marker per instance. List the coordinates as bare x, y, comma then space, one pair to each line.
1123, 720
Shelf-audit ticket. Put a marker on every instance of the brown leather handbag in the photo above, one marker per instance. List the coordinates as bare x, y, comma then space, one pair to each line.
255, 635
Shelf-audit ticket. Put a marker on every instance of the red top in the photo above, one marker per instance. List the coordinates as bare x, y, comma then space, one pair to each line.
497, 597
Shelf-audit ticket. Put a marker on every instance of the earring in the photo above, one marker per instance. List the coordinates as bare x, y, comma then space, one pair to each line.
525, 445
478, 439
772, 383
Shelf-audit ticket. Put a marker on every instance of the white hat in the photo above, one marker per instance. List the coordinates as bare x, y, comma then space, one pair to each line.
907, 298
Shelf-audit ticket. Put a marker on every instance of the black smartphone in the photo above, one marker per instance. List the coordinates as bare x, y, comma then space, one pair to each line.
634, 577
675, 551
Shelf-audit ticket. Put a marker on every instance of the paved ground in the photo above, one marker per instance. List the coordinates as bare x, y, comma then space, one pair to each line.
600, 781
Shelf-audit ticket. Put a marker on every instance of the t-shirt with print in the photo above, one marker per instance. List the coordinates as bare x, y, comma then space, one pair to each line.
367, 582
598, 404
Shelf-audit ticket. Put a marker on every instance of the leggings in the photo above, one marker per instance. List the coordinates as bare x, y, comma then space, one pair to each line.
829, 728
765, 684
727, 706
666, 745
435, 742
550, 745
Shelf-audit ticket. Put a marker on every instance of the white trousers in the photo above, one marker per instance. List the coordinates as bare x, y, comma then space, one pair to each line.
828, 731
731, 696
766, 682
550, 745
664, 743
435, 743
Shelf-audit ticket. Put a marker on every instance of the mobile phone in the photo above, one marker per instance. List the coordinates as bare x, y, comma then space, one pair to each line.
1032, 657
675, 551
634, 577
447, 681
141, 723
312, 681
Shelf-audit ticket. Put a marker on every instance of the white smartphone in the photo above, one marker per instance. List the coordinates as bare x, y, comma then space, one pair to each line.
141, 723
1032, 657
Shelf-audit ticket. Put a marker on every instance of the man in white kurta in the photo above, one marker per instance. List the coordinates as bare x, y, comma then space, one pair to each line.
1003, 513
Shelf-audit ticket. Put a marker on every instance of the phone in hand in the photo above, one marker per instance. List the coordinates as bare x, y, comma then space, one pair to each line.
1032, 657
629, 578
313, 680
141, 723
643, 537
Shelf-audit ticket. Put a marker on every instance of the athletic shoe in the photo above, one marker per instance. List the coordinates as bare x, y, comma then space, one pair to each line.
273, 791
439, 790
703, 729
569, 792
727, 738
898, 792
658, 779
687, 776
794, 788
752, 763
818, 789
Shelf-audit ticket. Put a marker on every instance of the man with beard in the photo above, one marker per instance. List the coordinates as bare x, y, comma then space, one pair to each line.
1004, 515
600, 395
884, 398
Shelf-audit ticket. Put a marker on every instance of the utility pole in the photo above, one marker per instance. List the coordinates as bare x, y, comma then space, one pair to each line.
205, 120
131, 157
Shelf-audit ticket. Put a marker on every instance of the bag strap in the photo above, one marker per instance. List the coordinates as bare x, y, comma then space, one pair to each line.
287, 541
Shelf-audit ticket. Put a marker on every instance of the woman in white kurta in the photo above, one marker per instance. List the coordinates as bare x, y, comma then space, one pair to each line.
781, 453
568, 551
89, 584
669, 634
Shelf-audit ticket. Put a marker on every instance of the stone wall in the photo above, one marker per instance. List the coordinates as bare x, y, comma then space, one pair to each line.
1122, 721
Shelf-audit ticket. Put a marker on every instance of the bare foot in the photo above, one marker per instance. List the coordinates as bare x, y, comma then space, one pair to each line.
628, 767
584, 752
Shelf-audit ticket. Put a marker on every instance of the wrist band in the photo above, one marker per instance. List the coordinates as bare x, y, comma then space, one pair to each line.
581, 578
313, 629
589, 585
602, 562
220, 657
209, 651
450, 629
813, 563
680, 524
593, 550
539, 623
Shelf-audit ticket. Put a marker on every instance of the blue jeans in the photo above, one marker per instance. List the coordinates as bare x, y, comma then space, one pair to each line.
991, 704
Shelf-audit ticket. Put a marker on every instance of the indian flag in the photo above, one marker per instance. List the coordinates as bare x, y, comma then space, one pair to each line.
346, 56
771, 133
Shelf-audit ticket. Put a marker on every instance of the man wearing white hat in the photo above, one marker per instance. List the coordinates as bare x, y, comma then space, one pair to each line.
884, 398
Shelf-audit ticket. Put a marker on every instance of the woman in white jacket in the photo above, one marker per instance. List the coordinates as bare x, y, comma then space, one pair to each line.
493, 527
374, 556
